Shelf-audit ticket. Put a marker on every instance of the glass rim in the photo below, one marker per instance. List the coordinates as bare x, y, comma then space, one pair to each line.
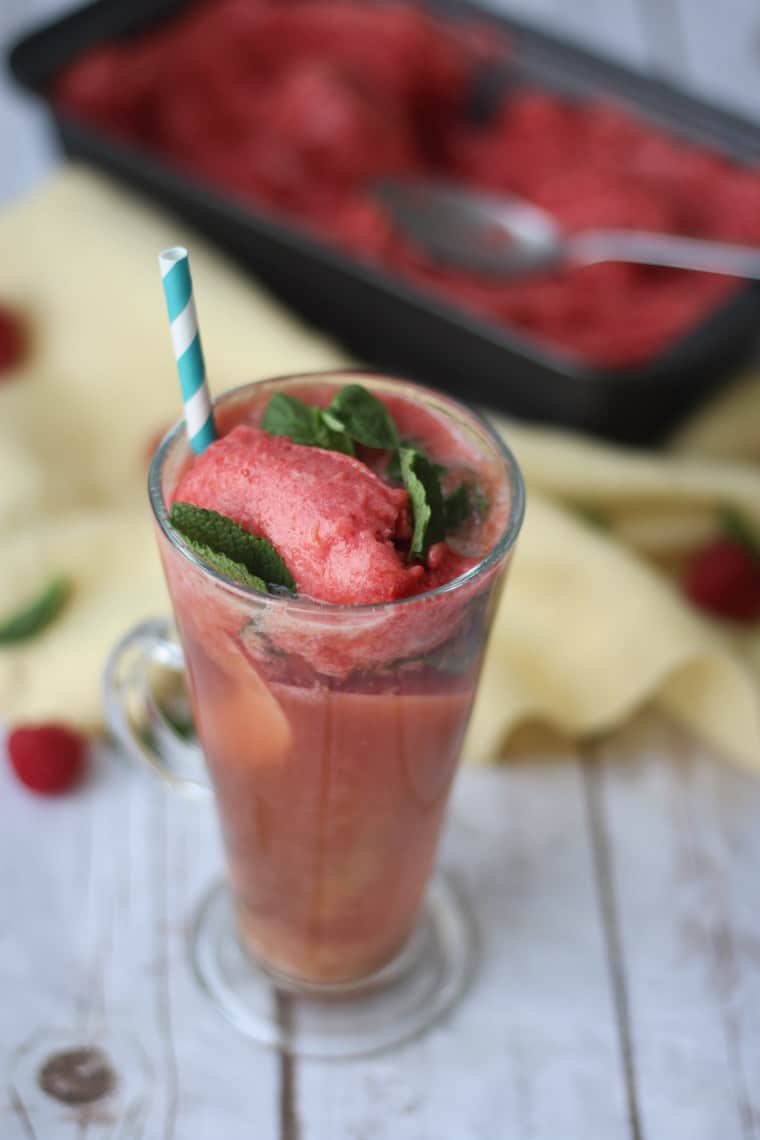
500, 548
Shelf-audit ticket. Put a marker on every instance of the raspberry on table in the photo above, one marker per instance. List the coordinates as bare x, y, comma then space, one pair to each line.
47, 758
723, 578
12, 339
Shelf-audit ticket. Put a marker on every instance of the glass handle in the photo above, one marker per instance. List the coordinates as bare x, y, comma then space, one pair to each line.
142, 677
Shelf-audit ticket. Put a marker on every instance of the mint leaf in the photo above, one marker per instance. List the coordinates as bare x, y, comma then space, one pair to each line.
591, 515
285, 415
456, 506
305, 424
227, 566
365, 418
183, 726
332, 421
393, 470
330, 436
424, 491
734, 524
36, 615
354, 416
224, 537
480, 501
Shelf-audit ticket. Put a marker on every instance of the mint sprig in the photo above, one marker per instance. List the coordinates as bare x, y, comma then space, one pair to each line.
393, 470
227, 566
365, 418
354, 416
305, 424
734, 525
37, 614
480, 502
456, 507
230, 548
424, 492
285, 415
463, 502
592, 515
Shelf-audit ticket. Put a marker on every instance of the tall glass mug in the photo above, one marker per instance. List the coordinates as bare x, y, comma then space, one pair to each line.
330, 734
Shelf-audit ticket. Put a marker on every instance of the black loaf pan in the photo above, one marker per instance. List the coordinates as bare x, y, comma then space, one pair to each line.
395, 325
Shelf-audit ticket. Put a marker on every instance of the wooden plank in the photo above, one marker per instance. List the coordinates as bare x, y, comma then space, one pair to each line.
60, 935
538, 12
612, 29
533, 1052
228, 1087
98, 888
684, 864
27, 143
662, 37
722, 52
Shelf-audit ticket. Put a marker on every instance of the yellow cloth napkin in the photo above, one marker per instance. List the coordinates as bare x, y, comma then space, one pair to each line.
591, 627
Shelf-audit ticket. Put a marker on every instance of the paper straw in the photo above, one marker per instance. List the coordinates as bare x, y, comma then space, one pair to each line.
178, 290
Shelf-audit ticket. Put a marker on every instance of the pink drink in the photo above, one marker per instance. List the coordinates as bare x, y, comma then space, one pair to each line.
332, 732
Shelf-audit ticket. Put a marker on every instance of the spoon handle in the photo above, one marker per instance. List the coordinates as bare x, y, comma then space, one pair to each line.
664, 249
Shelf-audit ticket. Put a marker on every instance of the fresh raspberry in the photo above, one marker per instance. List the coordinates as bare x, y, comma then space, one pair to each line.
12, 340
47, 758
723, 578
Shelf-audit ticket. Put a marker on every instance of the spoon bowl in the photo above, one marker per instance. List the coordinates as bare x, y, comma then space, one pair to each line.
504, 235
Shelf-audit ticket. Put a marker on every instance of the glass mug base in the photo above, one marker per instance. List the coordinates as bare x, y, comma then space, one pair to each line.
340, 1019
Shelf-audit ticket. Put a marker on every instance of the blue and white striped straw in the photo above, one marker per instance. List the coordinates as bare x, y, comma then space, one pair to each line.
178, 290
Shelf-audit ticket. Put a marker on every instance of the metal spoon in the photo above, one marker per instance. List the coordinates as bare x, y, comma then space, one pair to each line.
505, 235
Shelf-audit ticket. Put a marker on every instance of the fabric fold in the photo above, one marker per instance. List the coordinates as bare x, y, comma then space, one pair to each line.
592, 624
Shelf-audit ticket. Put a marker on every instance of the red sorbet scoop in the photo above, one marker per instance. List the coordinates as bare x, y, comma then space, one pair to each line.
328, 515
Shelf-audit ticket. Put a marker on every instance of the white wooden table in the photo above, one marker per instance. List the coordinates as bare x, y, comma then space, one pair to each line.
617, 998
617, 892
